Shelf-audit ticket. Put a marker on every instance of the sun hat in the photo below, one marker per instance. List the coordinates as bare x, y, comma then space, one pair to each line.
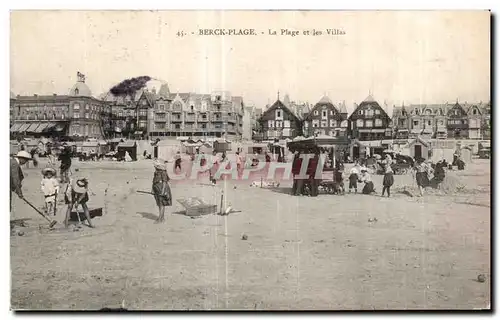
80, 185
23, 154
47, 170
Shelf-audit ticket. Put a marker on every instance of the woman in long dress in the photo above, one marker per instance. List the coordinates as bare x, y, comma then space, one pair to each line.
388, 176
421, 175
161, 190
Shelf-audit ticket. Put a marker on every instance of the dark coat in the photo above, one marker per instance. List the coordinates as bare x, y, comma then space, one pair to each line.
16, 177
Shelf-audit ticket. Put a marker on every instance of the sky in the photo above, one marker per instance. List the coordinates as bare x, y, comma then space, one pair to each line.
397, 56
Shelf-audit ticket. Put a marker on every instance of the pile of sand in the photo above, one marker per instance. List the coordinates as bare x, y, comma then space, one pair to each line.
452, 183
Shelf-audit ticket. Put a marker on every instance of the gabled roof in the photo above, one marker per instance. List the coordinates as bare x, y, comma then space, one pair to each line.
368, 101
325, 100
422, 141
279, 104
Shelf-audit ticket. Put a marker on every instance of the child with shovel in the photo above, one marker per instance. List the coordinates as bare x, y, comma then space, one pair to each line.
77, 194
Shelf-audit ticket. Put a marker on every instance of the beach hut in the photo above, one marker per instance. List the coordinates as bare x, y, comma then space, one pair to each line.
127, 146
222, 145
420, 148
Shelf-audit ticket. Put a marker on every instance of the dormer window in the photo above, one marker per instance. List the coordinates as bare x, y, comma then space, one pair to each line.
77, 92
474, 112
192, 108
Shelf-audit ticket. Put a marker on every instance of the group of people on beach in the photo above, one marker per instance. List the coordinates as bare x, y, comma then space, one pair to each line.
76, 189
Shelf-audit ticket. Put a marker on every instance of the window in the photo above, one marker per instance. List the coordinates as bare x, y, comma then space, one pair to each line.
76, 106
331, 112
161, 107
77, 92
360, 123
142, 124
333, 123
343, 124
324, 114
279, 124
86, 115
76, 115
160, 126
440, 122
428, 112
474, 112
286, 124
44, 116
192, 108
143, 113
369, 123
279, 114
204, 116
160, 116
415, 123
416, 111
316, 112
87, 107
378, 122
270, 123
360, 112
324, 124
429, 122
177, 126
377, 111
315, 123
62, 116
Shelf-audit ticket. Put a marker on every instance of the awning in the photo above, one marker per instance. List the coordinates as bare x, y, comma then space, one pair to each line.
428, 130
416, 131
378, 130
138, 132
15, 127
442, 129
403, 130
50, 126
23, 127
364, 130
41, 127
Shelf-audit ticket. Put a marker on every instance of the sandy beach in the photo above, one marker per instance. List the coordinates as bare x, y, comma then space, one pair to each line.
328, 253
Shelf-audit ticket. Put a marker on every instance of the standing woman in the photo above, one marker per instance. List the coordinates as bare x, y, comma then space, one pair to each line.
214, 168
388, 176
161, 190
421, 175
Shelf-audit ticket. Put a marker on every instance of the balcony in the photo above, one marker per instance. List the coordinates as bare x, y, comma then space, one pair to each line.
176, 120
190, 119
201, 119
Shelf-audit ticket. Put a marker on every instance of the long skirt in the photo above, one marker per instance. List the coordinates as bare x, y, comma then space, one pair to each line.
163, 197
388, 179
422, 179
368, 188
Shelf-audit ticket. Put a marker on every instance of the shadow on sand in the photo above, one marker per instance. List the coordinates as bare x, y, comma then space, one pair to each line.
284, 190
148, 215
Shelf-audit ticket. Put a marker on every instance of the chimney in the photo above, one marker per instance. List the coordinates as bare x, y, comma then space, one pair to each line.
54, 94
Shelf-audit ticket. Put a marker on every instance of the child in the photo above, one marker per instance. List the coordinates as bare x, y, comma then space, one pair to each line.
388, 176
353, 179
50, 189
339, 181
77, 194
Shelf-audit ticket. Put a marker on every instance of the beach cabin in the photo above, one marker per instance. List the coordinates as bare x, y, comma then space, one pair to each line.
128, 146
420, 148
221, 145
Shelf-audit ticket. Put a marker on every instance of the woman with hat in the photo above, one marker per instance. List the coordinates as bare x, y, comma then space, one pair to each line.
367, 179
50, 189
77, 194
388, 176
161, 189
16, 173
